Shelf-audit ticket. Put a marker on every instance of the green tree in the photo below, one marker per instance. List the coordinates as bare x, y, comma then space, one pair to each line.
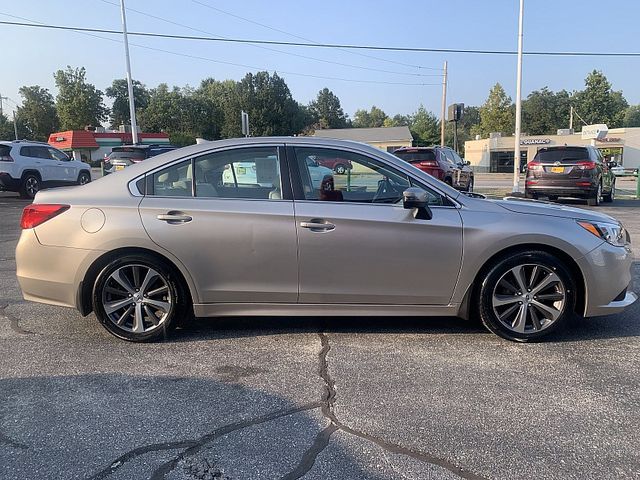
397, 121
425, 127
37, 114
78, 103
119, 92
632, 116
545, 111
598, 103
180, 113
369, 119
326, 111
497, 113
224, 104
6, 128
269, 103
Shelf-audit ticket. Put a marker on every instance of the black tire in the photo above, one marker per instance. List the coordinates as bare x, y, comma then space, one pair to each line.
498, 277
340, 169
553, 198
84, 178
470, 185
30, 185
594, 200
448, 181
105, 293
530, 195
611, 196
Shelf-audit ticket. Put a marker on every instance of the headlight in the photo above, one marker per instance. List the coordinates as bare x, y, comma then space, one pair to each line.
614, 233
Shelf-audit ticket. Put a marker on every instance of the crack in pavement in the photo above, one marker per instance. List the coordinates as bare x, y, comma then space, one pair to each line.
323, 437
13, 321
192, 447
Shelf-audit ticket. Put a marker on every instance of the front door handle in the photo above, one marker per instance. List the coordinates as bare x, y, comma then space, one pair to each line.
317, 225
174, 217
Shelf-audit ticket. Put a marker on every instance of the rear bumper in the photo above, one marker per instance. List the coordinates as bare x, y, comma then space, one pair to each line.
50, 274
607, 272
8, 183
563, 190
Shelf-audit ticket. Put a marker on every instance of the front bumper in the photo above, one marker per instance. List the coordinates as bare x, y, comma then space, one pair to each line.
607, 273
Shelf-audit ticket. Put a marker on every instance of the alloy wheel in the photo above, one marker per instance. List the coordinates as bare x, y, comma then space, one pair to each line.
31, 186
137, 298
529, 298
84, 179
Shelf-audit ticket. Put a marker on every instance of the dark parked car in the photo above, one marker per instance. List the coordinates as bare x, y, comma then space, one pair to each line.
121, 157
566, 171
440, 162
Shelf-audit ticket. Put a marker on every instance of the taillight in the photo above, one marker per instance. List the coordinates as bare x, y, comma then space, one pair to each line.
429, 163
586, 165
536, 166
38, 213
6, 158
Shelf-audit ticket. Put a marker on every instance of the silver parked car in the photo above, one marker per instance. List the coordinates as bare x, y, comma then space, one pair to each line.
178, 235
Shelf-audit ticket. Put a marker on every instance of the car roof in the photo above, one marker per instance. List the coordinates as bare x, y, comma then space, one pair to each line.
418, 149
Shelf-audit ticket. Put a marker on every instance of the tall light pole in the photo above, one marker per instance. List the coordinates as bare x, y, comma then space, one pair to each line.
516, 153
132, 104
444, 104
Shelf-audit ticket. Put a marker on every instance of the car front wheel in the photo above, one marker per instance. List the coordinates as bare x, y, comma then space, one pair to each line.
84, 178
340, 169
139, 298
526, 296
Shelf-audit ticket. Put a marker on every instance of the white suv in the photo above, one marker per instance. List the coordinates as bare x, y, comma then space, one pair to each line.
27, 167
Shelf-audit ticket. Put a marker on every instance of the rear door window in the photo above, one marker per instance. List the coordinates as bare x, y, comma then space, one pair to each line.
421, 156
569, 155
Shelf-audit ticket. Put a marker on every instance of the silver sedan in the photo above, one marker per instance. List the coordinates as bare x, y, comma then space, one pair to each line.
240, 227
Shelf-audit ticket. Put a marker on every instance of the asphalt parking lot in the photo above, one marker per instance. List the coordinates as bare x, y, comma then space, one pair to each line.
320, 398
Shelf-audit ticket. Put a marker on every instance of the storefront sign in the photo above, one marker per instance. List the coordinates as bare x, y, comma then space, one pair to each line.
610, 139
60, 139
594, 132
535, 141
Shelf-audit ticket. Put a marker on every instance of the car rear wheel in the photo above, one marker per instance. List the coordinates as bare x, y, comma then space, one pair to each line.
30, 185
526, 296
84, 178
139, 298
340, 169
594, 201
610, 197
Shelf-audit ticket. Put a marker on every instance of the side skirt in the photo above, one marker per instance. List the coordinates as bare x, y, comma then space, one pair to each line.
295, 309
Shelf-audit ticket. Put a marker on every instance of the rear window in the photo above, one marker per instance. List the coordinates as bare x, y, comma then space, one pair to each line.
137, 154
4, 150
563, 155
420, 156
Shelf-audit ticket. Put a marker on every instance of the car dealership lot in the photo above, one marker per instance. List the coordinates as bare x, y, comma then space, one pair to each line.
409, 398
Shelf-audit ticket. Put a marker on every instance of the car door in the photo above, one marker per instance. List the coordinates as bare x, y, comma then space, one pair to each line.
607, 175
237, 240
464, 173
66, 170
456, 172
358, 245
44, 163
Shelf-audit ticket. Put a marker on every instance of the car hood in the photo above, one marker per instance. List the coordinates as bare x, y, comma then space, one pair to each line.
535, 207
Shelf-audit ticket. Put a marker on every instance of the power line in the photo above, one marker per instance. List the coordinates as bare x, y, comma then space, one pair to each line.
181, 54
327, 45
273, 49
308, 39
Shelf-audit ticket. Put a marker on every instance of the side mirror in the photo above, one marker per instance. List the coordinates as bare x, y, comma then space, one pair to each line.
467, 162
416, 198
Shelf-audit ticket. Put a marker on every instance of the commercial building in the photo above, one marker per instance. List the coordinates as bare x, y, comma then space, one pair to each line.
496, 154
384, 138
92, 146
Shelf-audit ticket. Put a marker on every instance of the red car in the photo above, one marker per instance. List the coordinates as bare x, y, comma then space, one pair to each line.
338, 165
440, 162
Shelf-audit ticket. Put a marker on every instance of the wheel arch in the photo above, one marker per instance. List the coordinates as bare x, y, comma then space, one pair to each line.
473, 290
85, 288
28, 171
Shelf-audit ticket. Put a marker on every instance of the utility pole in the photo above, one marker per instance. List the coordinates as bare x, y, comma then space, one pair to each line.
1, 99
444, 104
516, 153
132, 105
15, 125
571, 118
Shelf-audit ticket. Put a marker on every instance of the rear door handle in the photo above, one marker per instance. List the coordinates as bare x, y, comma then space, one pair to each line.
316, 225
174, 217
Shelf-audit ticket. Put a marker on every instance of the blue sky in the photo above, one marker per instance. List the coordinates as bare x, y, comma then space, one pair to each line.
30, 56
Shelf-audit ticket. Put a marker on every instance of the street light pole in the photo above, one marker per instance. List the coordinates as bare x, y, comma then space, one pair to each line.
516, 153
132, 105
